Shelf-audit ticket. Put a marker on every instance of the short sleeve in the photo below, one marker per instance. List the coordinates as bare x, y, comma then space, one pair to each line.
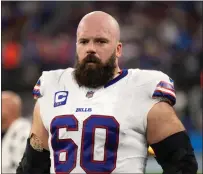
159, 88
38, 88
162, 89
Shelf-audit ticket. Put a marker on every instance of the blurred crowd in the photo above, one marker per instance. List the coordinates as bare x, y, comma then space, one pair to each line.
166, 36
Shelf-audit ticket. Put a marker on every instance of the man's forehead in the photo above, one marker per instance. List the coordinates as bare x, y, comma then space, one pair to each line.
94, 33
96, 28
99, 23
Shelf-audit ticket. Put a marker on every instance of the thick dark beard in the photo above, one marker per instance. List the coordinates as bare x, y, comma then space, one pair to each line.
97, 75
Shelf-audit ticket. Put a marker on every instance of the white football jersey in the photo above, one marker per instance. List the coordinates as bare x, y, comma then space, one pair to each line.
13, 144
100, 130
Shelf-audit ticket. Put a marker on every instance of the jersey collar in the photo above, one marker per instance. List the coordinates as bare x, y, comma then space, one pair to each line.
122, 74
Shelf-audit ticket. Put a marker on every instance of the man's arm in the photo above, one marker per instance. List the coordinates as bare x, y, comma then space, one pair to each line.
169, 140
36, 158
38, 131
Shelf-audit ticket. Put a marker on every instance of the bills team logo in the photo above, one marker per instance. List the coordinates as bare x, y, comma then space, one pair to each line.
36, 91
171, 80
90, 94
60, 98
165, 90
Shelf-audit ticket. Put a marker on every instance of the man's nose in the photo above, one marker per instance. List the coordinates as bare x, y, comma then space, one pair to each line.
91, 48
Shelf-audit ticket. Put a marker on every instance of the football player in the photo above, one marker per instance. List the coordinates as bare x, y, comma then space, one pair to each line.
98, 118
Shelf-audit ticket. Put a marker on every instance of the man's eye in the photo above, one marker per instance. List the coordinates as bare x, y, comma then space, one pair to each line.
101, 41
84, 42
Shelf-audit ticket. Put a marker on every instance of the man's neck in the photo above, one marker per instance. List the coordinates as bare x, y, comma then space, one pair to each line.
117, 72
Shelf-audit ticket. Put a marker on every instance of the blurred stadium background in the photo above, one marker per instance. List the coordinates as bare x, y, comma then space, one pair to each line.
166, 36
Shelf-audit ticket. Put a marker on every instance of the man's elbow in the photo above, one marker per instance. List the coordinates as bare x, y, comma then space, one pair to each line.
176, 155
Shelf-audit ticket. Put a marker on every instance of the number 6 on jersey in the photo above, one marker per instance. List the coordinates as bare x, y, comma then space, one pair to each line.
70, 148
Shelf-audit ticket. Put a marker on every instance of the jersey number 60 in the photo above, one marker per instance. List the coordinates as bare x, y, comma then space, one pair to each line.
70, 148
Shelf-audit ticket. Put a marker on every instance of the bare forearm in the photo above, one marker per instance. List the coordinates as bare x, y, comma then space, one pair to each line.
36, 143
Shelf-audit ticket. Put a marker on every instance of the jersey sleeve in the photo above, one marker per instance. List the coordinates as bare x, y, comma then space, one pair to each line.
162, 89
159, 87
38, 89
47, 79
